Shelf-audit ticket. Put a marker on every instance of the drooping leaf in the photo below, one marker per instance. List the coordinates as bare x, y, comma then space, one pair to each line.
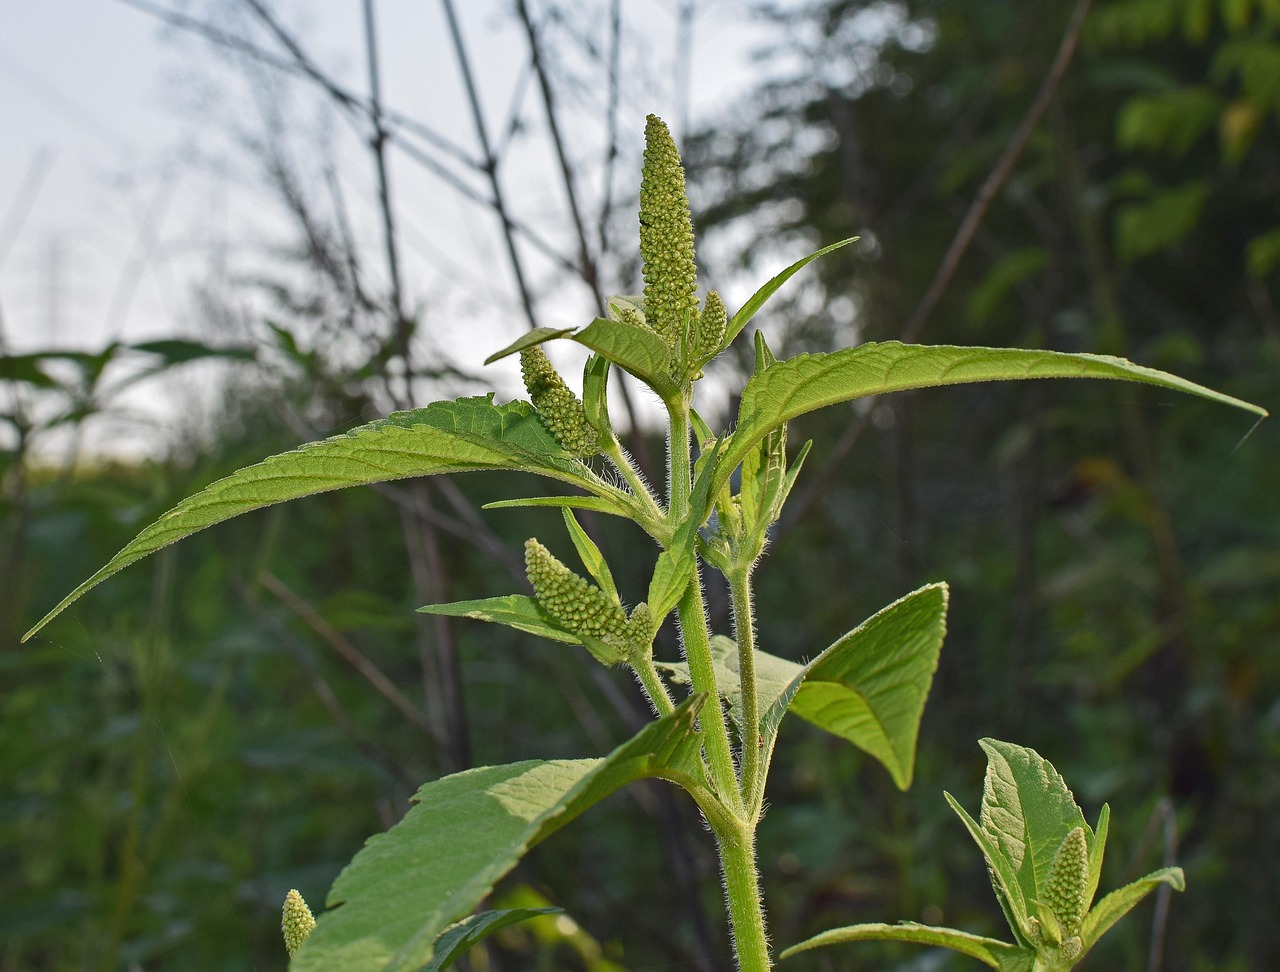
592, 558
529, 339
593, 503
1004, 877
1120, 902
811, 381
997, 954
388, 907
460, 436
635, 349
519, 611
460, 938
1027, 810
748, 310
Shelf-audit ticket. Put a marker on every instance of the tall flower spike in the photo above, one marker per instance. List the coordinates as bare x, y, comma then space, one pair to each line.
558, 407
1064, 889
666, 237
296, 921
578, 605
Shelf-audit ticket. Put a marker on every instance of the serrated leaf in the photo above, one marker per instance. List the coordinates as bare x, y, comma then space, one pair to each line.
519, 611
1004, 878
671, 575
758, 299
811, 381
592, 558
390, 904
1123, 900
469, 434
460, 938
1027, 810
637, 350
990, 951
530, 339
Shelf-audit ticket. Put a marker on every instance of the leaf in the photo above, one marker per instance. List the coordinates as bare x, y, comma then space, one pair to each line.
390, 904
1097, 849
530, 339
1160, 222
1027, 810
181, 350
638, 350
748, 310
519, 611
671, 576
595, 395
870, 686
1121, 901
460, 436
776, 679
1004, 879
593, 503
592, 558
1011, 270
472, 930
989, 951
811, 381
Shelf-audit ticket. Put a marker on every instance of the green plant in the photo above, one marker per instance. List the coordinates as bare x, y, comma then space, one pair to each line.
405, 901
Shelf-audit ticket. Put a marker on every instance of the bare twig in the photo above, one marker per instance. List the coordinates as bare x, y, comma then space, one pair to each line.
350, 653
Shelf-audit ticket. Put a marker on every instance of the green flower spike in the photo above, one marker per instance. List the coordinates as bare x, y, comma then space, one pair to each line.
558, 407
708, 331
1064, 890
577, 605
666, 237
296, 921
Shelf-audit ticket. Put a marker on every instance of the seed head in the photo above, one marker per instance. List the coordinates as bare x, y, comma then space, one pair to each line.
296, 921
1064, 889
666, 236
577, 604
558, 407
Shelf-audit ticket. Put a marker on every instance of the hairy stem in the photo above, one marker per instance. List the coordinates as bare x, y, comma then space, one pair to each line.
622, 461
744, 630
679, 463
653, 685
742, 888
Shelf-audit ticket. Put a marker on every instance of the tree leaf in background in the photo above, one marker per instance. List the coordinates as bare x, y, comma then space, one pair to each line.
389, 906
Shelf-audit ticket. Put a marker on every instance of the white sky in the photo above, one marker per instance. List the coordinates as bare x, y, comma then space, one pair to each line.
122, 187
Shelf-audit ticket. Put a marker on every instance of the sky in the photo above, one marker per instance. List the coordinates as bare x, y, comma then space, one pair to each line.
126, 185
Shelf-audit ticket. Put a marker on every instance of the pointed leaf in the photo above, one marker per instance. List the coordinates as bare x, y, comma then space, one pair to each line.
1121, 901
390, 904
458, 939
592, 558
460, 436
595, 395
519, 611
989, 951
593, 503
1096, 850
671, 575
812, 381
1027, 810
1004, 878
870, 686
748, 310
638, 350
529, 339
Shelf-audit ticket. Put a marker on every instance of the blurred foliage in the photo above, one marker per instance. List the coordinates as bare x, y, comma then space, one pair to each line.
185, 747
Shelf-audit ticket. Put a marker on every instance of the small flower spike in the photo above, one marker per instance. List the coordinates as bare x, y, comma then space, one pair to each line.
708, 330
666, 237
577, 604
296, 922
558, 407
1064, 890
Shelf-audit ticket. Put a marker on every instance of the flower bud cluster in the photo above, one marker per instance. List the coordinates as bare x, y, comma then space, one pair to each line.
1064, 889
296, 921
666, 237
558, 407
576, 604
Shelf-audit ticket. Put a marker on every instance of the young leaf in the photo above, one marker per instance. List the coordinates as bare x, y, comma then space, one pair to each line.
519, 611
1096, 851
460, 938
1121, 901
1004, 878
592, 558
671, 575
1027, 810
638, 350
997, 954
460, 436
529, 339
388, 907
593, 503
748, 310
812, 381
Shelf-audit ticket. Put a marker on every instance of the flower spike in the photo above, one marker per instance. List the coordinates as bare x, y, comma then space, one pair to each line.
296, 922
666, 237
558, 407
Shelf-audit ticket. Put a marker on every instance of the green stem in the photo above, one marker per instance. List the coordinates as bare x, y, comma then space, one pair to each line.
697, 651
742, 888
744, 630
622, 462
653, 685
679, 463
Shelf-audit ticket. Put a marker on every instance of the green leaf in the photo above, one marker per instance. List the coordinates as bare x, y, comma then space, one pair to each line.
870, 686
592, 558
748, 310
1027, 810
1160, 222
989, 951
811, 381
1097, 849
1121, 901
776, 681
460, 436
1004, 879
1011, 270
595, 395
638, 350
390, 904
593, 503
458, 939
519, 611
671, 575
530, 339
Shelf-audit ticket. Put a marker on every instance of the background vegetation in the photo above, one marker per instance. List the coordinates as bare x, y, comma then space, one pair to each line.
232, 720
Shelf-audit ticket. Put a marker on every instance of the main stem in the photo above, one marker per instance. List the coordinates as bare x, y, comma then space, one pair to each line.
742, 888
744, 629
